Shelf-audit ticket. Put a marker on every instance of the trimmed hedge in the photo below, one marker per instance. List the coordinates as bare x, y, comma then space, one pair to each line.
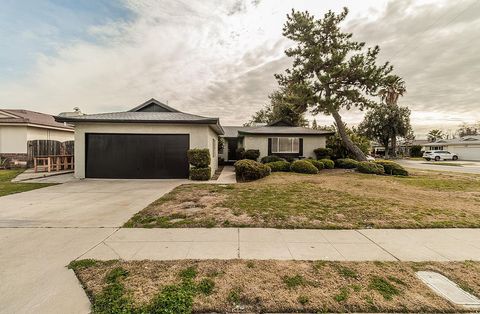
346, 163
250, 170
318, 164
252, 154
327, 163
199, 157
323, 153
200, 174
370, 167
303, 166
271, 158
392, 168
277, 166
240, 153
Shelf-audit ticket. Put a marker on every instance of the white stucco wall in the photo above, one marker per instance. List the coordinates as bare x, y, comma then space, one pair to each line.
34, 133
13, 139
260, 142
200, 137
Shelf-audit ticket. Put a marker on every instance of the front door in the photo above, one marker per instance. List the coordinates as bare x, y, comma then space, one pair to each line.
232, 148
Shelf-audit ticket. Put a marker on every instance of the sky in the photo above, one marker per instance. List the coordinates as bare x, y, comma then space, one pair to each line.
217, 58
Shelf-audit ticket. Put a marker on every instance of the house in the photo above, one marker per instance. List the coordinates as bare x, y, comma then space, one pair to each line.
149, 141
279, 138
466, 148
403, 147
18, 126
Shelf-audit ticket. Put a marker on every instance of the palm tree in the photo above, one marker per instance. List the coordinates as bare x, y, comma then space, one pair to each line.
394, 87
435, 135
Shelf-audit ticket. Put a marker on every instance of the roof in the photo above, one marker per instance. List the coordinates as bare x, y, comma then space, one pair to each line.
469, 139
136, 115
235, 131
22, 116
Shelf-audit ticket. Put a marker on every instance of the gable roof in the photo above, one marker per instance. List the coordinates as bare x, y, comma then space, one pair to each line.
21, 116
235, 131
153, 103
469, 139
136, 115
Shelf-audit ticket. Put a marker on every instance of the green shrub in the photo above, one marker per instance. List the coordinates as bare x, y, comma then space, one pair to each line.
318, 164
323, 153
392, 168
370, 167
199, 157
279, 166
252, 154
327, 163
416, 151
303, 166
271, 158
250, 170
200, 174
346, 163
240, 153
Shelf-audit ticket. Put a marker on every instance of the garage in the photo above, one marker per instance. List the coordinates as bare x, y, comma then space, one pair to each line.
137, 156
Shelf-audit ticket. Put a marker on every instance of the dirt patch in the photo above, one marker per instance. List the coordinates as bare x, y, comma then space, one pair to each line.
287, 286
331, 199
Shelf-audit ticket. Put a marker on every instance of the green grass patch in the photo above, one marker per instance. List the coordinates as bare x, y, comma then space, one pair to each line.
346, 272
342, 295
438, 163
7, 187
385, 288
83, 263
294, 281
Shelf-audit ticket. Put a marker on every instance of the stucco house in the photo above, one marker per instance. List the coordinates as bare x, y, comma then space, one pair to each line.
149, 141
467, 147
279, 138
18, 126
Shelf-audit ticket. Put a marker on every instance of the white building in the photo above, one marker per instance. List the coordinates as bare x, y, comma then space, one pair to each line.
466, 148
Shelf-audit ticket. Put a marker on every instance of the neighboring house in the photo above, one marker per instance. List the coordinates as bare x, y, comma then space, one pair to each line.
403, 147
466, 148
18, 126
279, 138
149, 141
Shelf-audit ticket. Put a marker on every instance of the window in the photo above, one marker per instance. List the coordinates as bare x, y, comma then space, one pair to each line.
285, 145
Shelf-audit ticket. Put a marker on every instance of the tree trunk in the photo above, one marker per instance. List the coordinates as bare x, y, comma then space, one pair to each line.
394, 146
387, 149
359, 155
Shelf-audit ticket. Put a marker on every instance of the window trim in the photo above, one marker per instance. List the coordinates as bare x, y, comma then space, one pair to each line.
276, 150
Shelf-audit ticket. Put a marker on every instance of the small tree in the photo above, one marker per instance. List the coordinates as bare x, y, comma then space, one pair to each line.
331, 71
467, 129
416, 151
339, 150
435, 135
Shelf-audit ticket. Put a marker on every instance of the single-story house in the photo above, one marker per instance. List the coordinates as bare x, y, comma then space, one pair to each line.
279, 138
18, 126
466, 148
149, 141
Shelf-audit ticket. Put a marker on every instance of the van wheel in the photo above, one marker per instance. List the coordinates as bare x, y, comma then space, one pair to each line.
455, 158
437, 158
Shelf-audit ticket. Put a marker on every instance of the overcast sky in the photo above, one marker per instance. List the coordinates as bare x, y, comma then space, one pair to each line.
217, 57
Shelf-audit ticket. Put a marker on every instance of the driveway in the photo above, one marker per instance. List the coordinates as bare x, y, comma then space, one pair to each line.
41, 231
461, 166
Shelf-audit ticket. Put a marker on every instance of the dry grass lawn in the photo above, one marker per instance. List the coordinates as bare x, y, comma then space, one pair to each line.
269, 286
331, 199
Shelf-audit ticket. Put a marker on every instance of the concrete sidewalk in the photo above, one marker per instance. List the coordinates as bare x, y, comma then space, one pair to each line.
299, 244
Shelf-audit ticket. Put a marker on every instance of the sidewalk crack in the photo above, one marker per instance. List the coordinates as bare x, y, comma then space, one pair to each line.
103, 241
378, 245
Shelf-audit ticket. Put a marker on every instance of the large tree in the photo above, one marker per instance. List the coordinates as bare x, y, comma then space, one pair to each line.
330, 70
468, 129
383, 123
435, 135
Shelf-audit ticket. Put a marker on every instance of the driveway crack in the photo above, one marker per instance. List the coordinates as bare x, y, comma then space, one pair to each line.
103, 241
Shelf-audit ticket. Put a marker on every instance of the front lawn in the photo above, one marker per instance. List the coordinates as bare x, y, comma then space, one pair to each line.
268, 286
7, 187
331, 199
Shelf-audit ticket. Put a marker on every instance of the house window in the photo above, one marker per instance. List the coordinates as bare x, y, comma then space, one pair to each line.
285, 145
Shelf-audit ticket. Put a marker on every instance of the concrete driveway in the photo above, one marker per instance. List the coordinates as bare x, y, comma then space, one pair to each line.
41, 231
456, 166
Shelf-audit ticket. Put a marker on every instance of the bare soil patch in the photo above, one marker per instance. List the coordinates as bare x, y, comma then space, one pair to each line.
273, 286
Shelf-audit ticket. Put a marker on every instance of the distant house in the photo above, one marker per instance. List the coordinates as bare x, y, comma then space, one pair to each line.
18, 126
467, 147
279, 138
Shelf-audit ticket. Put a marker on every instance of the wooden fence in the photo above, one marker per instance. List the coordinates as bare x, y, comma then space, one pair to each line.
40, 148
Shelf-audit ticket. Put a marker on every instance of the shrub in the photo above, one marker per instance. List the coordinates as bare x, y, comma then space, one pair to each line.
250, 170
316, 163
327, 163
416, 151
199, 157
346, 163
323, 153
252, 154
240, 153
370, 167
200, 174
271, 158
279, 166
392, 168
303, 166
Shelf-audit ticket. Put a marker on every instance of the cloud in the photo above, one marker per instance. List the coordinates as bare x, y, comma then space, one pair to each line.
217, 58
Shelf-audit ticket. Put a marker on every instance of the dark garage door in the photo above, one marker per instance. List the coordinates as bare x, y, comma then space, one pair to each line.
137, 156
